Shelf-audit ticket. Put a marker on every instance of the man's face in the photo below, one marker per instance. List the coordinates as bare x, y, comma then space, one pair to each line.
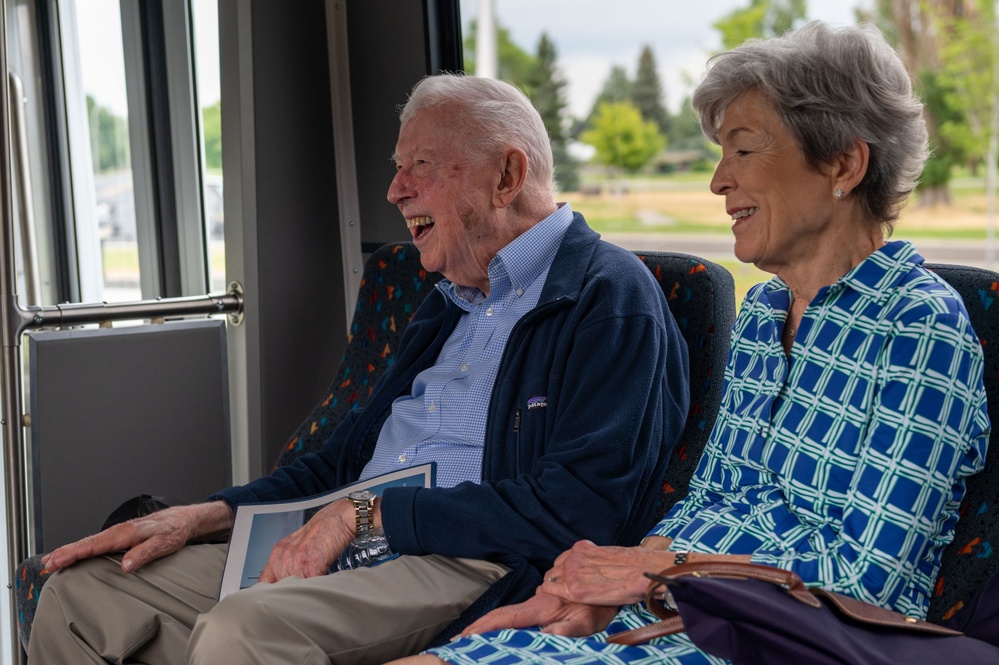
446, 197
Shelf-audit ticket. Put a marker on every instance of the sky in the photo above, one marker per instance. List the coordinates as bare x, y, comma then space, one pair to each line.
102, 62
589, 40
591, 36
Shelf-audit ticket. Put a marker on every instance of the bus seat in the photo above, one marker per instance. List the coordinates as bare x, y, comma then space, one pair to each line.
393, 285
700, 294
701, 297
971, 560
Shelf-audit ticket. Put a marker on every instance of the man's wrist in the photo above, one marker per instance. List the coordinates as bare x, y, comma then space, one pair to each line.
214, 519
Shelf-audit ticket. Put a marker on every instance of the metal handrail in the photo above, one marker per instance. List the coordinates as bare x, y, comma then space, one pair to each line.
74, 314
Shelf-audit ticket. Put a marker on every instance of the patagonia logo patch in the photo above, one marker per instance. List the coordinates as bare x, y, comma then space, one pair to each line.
537, 403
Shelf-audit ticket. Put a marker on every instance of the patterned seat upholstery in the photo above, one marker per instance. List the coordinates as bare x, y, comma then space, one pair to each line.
392, 287
701, 296
971, 560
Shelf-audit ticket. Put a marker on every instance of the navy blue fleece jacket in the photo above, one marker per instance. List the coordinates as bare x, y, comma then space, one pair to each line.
585, 462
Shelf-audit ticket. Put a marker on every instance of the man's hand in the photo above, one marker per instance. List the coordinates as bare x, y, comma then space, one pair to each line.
554, 615
147, 538
309, 551
588, 573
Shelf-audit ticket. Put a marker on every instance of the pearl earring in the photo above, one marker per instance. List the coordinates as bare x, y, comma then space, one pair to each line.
838, 193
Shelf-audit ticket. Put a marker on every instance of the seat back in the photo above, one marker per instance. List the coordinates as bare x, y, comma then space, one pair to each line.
393, 285
701, 297
970, 560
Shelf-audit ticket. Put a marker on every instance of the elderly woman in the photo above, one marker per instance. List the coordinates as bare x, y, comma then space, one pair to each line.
853, 407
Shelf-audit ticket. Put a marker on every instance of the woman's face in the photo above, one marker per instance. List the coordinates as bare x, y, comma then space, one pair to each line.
780, 207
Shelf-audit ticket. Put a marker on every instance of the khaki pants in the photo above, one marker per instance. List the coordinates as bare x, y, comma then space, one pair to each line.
167, 613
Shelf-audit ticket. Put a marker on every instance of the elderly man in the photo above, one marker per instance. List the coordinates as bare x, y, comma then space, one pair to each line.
540, 440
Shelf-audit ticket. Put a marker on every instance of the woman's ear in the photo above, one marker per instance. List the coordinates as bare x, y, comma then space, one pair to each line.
513, 175
850, 167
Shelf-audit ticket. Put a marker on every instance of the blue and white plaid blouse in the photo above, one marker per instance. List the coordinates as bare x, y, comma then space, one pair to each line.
846, 462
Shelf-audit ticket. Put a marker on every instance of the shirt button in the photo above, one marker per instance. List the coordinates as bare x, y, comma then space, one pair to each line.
464, 367
489, 311
520, 292
402, 457
432, 408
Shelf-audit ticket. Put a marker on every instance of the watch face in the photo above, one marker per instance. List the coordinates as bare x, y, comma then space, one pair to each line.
361, 495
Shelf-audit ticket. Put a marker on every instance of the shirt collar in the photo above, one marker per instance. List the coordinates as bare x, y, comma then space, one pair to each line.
522, 261
875, 276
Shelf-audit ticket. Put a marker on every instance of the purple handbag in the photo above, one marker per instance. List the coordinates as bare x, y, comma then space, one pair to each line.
749, 613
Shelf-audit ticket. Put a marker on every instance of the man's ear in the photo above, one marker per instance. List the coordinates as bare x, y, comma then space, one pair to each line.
850, 167
512, 176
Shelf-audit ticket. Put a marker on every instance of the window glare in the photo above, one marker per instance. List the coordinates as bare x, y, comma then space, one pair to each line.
101, 61
206, 60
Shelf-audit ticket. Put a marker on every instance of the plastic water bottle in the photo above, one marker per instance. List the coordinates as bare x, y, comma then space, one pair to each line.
368, 549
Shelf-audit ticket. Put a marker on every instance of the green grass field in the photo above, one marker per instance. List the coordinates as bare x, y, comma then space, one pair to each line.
678, 204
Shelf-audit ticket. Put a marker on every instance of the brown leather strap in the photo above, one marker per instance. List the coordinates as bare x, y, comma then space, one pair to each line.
648, 632
672, 623
741, 571
879, 616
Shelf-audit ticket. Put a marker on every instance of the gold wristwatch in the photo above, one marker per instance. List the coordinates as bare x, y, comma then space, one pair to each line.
364, 509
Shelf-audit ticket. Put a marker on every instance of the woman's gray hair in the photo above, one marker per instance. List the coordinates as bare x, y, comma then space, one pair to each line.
829, 87
492, 116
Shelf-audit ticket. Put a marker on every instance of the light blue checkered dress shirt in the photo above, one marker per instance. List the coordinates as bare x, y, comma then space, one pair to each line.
444, 418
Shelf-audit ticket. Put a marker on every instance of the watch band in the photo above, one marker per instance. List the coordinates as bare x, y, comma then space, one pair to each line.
363, 512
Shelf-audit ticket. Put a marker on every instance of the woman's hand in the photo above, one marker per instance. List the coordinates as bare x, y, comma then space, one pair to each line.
595, 575
147, 538
553, 615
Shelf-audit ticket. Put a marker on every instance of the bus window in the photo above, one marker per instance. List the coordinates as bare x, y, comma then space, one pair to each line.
123, 174
99, 117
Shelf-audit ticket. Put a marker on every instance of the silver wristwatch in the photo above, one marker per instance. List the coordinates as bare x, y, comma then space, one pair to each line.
364, 507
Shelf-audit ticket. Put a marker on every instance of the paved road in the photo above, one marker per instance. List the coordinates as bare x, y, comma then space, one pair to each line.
719, 247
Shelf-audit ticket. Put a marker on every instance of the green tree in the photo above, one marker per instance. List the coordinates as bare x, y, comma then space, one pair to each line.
616, 89
936, 40
211, 127
515, 64
108, 138
969, 52
647, 91
621, 137
761, 19
547, 87
685, 129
